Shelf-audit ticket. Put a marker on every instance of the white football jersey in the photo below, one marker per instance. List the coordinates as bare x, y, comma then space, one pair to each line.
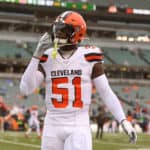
68, 85
34, 114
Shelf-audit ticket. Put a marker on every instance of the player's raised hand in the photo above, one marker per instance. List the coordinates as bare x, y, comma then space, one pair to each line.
129, 130
42, 45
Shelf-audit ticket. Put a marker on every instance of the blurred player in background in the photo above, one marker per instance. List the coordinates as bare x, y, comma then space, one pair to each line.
100, 120
69, 71
3, 113
33, 121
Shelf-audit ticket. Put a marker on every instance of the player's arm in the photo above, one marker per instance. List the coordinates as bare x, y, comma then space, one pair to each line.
33, 77
111, 100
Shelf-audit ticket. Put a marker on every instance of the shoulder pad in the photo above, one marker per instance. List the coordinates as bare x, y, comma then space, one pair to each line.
94, 54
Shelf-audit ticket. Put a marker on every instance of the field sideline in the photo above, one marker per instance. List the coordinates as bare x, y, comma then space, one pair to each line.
17, 141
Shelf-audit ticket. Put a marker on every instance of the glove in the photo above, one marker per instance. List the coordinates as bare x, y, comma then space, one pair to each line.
129, 130
42, 45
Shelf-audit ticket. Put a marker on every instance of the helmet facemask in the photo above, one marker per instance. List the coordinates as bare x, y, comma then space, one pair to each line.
62, 33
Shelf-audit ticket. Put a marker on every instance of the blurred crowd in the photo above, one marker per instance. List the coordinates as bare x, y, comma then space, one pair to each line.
138, 116
15, 118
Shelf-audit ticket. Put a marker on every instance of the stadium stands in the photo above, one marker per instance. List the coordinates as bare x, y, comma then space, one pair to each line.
10, 49
123, 56
146, 55
9, 89
132, 92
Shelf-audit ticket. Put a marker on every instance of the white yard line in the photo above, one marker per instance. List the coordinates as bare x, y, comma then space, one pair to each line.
96, 141
135, 149
20, 144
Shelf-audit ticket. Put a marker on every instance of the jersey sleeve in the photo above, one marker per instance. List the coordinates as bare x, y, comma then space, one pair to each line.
94, 54
31, 78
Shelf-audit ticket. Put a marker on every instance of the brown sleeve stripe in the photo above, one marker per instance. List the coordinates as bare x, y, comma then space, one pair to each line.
44, 58
94, 57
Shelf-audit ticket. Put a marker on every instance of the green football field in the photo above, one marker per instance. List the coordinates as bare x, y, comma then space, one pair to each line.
17, 141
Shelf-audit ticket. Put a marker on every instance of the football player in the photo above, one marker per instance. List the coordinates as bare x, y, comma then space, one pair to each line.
69, 71
33, 121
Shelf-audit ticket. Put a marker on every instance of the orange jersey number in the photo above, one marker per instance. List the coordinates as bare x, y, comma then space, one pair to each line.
65, 92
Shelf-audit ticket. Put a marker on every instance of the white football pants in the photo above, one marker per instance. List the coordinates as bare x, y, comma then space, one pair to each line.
66, 138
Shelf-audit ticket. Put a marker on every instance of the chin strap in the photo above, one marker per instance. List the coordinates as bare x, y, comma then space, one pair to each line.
54, 52
57, 44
